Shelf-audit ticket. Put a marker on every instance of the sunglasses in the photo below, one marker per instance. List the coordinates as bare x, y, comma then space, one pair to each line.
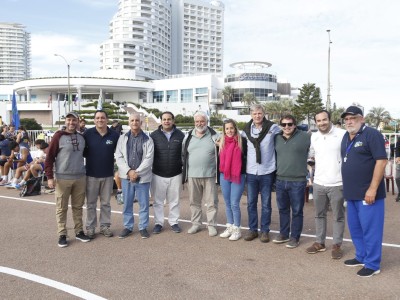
286, 124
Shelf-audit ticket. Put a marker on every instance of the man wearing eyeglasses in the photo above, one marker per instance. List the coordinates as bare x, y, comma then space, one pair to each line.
364, 160
327, 183
66, 153
291, 147
260, 171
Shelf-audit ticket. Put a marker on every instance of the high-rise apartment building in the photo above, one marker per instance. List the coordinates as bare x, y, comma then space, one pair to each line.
157, 38
197, 36
140, 39
15, 44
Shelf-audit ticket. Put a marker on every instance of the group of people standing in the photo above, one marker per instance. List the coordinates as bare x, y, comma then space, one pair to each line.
348, 165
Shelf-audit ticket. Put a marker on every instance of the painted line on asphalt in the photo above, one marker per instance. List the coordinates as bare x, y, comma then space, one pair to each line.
51, 283
187, 221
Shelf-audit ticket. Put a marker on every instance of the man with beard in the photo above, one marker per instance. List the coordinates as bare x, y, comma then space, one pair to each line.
364, 160
327, 183
66, 153
199, 154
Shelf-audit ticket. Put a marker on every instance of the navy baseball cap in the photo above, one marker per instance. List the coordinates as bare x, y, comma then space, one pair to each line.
352, 110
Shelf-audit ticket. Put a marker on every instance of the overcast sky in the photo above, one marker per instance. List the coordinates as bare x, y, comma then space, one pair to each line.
289, 34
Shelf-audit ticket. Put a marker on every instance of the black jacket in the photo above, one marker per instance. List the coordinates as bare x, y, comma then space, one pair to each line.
167, 154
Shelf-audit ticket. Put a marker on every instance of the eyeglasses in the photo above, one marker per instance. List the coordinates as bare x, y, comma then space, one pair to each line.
286, 124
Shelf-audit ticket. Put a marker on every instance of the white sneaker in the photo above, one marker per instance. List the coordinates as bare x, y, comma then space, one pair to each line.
310, 197
194, 229
236, 234
212, 231
228, 231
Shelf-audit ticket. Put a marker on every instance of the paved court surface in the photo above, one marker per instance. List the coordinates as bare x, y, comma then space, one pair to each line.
177, 266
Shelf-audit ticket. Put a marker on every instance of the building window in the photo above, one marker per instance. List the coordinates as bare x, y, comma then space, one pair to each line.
187, 95
158, 97
172, 96
202, 90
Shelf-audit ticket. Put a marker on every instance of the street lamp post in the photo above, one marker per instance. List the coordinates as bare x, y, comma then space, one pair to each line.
328, 97
69, 85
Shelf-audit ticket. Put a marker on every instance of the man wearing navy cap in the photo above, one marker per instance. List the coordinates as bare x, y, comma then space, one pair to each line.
364, 160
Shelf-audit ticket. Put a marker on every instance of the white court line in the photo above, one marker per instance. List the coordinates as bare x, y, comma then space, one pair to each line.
51, 283
188, 221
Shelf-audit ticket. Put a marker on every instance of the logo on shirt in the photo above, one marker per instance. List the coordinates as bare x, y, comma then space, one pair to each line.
109, 142
358, 144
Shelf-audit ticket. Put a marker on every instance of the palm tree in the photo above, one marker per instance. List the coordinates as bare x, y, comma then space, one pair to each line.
248, 99
377, 115
277, 109
228, 92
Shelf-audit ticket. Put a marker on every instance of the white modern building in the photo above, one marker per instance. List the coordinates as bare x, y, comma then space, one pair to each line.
14, 53
140, 39
252, 77
157, 38
197, 36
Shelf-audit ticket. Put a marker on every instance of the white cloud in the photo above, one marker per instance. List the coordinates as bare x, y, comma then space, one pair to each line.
45, 63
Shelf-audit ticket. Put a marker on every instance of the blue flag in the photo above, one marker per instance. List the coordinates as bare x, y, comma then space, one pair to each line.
15, 114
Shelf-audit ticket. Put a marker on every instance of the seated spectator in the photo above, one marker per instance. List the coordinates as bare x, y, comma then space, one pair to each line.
22, 137
5, 152
20, 156
32, 169
11, 133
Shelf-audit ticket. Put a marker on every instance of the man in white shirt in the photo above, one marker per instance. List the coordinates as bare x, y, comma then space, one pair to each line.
327, 183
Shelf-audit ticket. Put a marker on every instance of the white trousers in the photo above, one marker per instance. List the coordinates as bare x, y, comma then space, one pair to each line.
168, 189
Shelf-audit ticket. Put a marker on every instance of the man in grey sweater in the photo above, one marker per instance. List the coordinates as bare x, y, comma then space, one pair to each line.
291, 148
66, 153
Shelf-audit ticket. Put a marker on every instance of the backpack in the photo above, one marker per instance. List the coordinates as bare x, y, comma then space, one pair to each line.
32, 187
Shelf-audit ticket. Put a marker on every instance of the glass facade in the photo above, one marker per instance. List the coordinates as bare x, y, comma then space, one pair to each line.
158, 96
187, 95
172, 96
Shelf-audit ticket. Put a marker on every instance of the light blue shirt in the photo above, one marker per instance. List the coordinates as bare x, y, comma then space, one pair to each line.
267, 146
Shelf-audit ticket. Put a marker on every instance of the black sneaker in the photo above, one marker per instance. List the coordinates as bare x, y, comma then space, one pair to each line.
175, 228
144, 234
62, 241
353, 263
82, 237
157, 229
125, 233
365, 272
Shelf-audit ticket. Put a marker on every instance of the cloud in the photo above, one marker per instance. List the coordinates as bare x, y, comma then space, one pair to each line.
45, 63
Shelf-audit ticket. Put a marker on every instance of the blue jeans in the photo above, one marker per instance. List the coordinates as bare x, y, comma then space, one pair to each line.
259, 184
142, 192
290, 195
232, 193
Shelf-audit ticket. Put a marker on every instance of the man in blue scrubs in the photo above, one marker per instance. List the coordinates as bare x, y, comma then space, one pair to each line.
364, 160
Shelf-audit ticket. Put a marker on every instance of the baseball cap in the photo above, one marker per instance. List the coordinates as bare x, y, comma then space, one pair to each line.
352, 110
73, 113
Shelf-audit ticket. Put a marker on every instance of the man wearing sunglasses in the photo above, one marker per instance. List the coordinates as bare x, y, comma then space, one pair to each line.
291, 147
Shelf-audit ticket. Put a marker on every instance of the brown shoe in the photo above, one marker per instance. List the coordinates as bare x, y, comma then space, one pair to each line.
315, 248
337, 253
264, 237
250, 235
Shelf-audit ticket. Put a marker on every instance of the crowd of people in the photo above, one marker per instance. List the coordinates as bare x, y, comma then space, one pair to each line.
84, 163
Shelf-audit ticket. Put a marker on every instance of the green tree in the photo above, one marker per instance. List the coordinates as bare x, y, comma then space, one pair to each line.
336, 113
309, 102
248, 99
30, 124
376, 115
227, 96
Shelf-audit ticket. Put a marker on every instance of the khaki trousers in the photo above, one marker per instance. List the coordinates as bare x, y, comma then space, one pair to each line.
199, 189
76, 188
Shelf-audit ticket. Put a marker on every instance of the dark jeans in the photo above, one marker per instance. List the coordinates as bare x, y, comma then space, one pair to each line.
290, 195
259, 184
